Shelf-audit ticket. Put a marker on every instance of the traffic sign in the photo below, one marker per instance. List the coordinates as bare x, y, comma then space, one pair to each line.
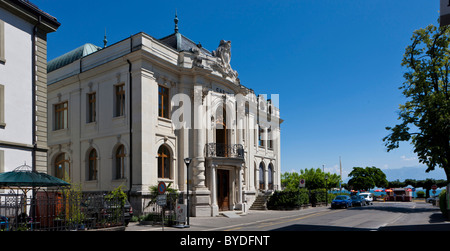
434, 187
302, 183
161, 200
162, 187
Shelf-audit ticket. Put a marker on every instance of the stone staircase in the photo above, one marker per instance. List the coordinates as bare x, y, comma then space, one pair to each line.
260, 202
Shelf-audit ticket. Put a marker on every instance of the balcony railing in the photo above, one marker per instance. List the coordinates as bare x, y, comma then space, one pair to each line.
224, 150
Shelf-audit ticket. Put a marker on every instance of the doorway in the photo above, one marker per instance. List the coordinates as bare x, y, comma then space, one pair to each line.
223, 190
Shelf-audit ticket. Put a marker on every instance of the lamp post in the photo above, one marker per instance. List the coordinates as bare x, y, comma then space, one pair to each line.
187, 161
326, 190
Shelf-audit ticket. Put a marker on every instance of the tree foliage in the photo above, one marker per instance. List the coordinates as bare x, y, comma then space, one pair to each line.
425, 117
367, 178
314, 179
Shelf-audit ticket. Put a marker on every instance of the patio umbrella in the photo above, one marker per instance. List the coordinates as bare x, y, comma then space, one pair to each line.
23, 176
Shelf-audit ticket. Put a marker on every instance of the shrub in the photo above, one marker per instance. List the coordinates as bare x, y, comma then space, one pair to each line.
288, 199
443, 203
420, 194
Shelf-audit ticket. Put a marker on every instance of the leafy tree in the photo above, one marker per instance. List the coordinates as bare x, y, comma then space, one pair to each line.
425, 117
396, 183
378, 176
367, 178
290, 181
314, 179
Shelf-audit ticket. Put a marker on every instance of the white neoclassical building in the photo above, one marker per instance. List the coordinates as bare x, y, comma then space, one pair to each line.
130, 113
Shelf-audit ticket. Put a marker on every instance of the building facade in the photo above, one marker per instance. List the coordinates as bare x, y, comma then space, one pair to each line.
23, 84
128, 115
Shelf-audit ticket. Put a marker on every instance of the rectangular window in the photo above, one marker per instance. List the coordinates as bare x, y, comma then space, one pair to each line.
91, 107
269, 138
163, 102
2, 106
61, 116
261, 137
2, 42
120, 100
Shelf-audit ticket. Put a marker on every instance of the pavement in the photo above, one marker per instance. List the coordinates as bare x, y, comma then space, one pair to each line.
221, 222
230, 221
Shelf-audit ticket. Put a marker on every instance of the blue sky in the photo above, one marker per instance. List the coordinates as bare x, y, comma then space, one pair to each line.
335, 64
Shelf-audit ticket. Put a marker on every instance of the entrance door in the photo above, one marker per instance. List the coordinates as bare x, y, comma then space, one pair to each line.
223, 189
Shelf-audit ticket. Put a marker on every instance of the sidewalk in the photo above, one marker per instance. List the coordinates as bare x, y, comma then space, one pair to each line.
221, 222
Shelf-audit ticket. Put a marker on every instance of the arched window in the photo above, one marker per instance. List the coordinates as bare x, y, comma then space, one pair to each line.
270, 176
92, 165
261, 176
164, 162
62, 167
120, 162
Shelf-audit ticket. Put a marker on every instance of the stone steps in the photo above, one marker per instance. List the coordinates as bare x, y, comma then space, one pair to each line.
260, 202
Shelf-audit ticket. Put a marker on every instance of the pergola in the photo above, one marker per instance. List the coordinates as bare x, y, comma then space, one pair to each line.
23, 178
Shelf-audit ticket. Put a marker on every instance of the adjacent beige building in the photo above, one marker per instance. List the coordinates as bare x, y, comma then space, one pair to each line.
129, 114
23, 84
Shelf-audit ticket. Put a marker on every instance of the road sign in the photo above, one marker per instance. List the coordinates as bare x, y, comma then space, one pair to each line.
161, 200
162, 187
434, 187
302, 183
445, 13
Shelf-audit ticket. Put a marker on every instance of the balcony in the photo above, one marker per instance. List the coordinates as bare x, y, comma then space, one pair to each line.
224, 150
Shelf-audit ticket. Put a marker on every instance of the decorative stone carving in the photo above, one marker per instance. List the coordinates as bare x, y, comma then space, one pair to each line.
223, 53
198, 58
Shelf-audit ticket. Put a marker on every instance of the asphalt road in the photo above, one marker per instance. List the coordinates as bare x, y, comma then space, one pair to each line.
381, 216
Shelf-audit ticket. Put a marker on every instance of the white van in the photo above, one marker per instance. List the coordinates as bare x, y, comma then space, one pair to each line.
368, 197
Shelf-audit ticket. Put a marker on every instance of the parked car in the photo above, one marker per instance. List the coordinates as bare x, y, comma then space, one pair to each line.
368, 197
101, 209
341, 201
358, 200
431, 200
111, 209
4, 224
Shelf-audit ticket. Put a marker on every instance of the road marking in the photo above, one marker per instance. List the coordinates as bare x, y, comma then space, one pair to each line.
272, 222
233, 229
297, 219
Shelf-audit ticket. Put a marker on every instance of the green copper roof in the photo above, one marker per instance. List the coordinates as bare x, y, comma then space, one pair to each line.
72, 56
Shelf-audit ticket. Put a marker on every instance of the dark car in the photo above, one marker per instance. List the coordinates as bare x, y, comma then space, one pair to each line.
107, 210
358, 200
114, 210
4, 224
341, 201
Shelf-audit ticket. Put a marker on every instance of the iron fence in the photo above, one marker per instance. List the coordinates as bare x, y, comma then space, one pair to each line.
61, 210
155, 213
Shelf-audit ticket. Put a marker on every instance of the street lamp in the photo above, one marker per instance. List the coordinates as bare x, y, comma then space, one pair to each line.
326, 190
187, 161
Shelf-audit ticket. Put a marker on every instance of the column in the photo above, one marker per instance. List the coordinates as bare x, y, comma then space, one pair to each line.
201, 194
240, 185
199, 138
213, 178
